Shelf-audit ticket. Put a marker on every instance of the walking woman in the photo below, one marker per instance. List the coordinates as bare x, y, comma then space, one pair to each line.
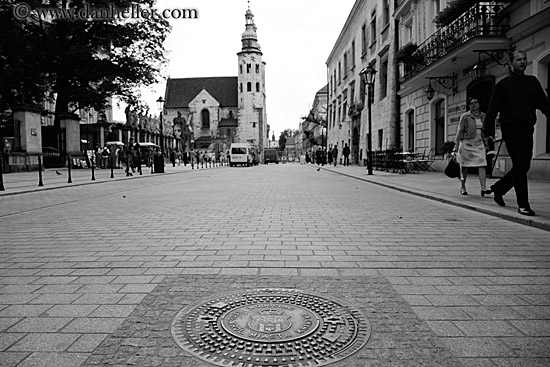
470, 145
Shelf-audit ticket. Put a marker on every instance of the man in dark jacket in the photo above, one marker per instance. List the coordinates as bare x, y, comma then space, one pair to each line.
335, 154
516, 98
345, 153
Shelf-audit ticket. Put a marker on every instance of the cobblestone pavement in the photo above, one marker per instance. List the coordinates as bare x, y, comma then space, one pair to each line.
80, 267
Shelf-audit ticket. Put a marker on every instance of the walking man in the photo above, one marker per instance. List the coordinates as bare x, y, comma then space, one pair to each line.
345, 153
335, 154
516, 98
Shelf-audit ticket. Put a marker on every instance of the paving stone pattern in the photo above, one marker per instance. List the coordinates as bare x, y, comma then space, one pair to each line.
77, 264
399, 337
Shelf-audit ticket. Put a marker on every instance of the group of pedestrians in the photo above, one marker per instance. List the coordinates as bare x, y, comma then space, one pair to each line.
330, 157
515, 100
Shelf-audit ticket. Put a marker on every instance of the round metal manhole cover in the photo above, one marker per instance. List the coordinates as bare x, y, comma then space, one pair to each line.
270, 327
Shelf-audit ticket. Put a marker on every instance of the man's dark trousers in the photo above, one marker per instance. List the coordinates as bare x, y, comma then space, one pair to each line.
519, 143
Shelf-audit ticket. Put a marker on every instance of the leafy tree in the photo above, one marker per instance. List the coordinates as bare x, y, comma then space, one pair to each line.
81, 63
284, 135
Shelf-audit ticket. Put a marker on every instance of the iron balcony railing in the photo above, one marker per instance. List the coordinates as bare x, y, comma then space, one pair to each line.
484, 19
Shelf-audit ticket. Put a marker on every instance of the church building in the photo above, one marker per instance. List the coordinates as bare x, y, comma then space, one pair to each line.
213, 112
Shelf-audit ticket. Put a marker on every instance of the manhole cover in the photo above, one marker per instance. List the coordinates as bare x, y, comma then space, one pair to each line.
270, 327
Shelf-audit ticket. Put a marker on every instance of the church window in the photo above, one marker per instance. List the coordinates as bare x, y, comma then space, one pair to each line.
205, 117
231, 114
254, 124
257, 69
257, 87
249, 87
240, 69
241, 87
248, 66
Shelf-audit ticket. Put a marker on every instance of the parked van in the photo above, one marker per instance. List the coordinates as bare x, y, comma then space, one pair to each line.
243, 154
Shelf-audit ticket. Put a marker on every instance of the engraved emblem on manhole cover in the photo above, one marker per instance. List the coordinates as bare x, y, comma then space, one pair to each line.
270, 327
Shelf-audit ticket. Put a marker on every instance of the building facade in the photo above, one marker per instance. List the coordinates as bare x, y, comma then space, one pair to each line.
214, 112
464, 56
367, 38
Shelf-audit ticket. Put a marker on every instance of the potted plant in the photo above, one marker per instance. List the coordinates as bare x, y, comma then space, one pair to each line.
408, 54
453, 11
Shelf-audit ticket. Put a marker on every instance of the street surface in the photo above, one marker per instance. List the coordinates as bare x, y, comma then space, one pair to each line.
78, 265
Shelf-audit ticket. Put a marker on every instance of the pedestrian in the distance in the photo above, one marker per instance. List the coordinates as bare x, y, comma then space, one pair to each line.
193, 158
335, 154
173, 157
329, 155
517, 98
345, 153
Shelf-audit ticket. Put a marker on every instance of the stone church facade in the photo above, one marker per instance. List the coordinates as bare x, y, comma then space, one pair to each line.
213, 112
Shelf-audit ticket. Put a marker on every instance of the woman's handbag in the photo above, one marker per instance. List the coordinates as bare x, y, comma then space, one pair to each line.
453, 168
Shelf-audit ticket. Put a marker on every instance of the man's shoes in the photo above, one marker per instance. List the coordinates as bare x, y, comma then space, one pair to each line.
497, 197
526, 211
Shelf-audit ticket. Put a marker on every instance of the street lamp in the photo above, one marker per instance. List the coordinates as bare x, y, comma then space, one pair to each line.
160, 103
367, 74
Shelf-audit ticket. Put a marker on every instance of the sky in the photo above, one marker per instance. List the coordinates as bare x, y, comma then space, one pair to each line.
296, 38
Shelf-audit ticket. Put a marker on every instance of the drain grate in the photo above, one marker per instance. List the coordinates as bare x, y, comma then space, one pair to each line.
270, 327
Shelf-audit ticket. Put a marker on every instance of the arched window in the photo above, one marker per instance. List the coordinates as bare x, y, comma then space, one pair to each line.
205, 117
241, 87
257, 87
249, 87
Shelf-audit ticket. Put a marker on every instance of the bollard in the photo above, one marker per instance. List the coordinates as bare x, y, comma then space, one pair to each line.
93, 172
112, 167
40, 183
69, 179
151, 162
2, 172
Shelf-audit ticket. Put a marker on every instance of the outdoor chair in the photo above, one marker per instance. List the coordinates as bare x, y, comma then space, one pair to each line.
425, 164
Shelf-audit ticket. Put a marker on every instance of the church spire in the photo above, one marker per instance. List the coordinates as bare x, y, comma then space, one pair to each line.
249, 37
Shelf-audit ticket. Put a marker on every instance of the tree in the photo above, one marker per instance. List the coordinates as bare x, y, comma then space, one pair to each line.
81, 63
284, 135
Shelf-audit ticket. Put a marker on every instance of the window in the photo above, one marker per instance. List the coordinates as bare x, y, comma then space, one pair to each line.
345, 65
334, 79
380, 138
364, 39
352, 92
386, 13
339, 72
257, 69
241, 87
241, 69
410, 129
439, 125
345, 104
373, 28
257, 87
384, 79
248, 66
205, 117
249, 87
253, 124
352, 54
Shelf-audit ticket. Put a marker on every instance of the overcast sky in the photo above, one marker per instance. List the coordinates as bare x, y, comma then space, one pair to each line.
296, 37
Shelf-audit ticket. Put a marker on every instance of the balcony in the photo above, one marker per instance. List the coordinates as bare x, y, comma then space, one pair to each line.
484, 21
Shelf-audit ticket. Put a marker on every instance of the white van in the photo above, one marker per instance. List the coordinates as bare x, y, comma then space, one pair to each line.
241, 153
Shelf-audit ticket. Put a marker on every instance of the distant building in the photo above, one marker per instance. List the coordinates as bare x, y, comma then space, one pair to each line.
219, 111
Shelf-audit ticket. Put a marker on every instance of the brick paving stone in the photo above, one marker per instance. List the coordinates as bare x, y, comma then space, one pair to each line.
12, 359
40, 325
496, 281
93, 325
44, 342
49, 359
399, 338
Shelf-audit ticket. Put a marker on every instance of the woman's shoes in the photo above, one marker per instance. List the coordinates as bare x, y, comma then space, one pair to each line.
463, 191
485, 192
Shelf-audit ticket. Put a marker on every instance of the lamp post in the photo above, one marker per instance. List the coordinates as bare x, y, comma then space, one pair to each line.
367, 74
160, 103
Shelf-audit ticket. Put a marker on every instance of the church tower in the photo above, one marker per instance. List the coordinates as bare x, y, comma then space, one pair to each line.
251, 83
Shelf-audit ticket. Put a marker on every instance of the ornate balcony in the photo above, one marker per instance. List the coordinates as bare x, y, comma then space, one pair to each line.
484, 19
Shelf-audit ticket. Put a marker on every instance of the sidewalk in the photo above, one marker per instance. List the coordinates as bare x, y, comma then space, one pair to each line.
24, 182
437, 186
430, 185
